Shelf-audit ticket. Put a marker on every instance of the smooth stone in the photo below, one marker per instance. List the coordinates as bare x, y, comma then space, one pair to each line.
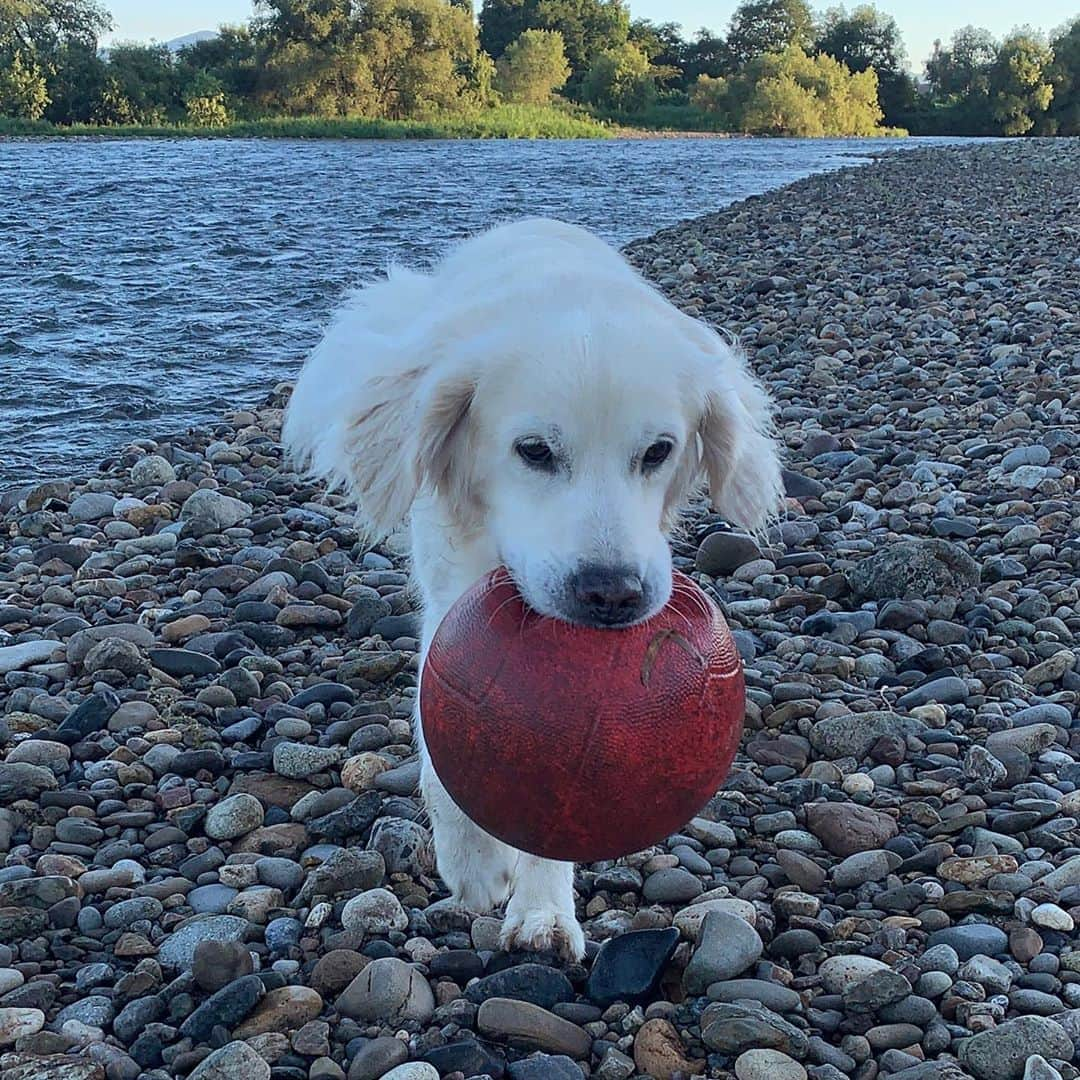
535, 983
971, 939
388, 989
840, 974
767, 1065
726, 947
234, 1061
178, 949
629, 967
527, 1026
1001, 1052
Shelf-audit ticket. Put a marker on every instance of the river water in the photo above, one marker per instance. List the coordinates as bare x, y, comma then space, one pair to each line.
149, 285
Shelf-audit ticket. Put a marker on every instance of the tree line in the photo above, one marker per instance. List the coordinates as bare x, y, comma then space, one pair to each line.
779, 69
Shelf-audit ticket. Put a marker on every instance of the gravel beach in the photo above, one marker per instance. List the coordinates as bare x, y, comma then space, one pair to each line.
214, 862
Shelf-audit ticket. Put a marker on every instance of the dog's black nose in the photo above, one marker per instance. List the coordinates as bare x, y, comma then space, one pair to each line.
608, 595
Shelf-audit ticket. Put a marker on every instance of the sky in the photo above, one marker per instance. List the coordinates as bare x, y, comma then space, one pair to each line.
921, 21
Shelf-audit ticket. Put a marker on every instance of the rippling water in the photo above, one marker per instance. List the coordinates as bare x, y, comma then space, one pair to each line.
148, 285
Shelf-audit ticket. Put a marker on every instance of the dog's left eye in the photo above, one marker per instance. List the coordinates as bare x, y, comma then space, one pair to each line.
536, 454
656, 455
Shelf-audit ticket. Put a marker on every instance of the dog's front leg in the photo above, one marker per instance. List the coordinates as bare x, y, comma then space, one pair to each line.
477, 868
481, 872
541, 914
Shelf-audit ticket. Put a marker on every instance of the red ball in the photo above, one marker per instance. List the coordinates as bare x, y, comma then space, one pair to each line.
579, 743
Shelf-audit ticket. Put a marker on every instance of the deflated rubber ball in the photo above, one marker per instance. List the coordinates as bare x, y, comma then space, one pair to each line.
574, 742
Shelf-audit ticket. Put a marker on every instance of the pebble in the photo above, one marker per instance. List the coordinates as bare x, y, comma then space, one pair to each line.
767, 1065
1001, 1052
234, 817
523, 1024
726, 947
234, 1061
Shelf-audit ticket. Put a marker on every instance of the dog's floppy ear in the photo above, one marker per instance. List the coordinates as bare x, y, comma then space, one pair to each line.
385, 439
735, 446
379, 407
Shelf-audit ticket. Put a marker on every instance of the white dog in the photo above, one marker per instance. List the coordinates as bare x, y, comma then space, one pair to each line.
533, 403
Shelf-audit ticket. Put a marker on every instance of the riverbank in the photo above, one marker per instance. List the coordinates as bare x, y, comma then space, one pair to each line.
206, 701
503, 122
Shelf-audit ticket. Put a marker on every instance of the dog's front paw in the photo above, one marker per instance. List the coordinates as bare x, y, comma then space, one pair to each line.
542, 928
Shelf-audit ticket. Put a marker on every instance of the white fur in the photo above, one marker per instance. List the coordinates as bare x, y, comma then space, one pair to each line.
414, 402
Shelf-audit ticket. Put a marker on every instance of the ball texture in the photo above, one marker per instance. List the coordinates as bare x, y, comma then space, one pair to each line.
577, 743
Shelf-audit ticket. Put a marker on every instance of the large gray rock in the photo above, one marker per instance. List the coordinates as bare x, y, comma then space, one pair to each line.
914, 568
214, 510
727, 946
854, 735
1001, 1052
17, 657
388, 990
178, 949
234, 1061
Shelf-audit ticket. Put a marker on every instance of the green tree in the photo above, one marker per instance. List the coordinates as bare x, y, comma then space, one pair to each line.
42, 26
234, 58
33, 37
706, 54
480, 74
307, 22
420, 53
709, 95
1020, 88
1064, 74
145, 76
204, 102
76, 84
964, 68
503, 22
533, 67
22, 88
960, 84
768, 26
868, 38
299, 79
620, 80
588, 27
663, 45
112, 106
791, 93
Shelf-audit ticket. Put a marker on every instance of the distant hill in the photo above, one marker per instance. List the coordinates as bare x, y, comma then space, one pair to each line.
176, 44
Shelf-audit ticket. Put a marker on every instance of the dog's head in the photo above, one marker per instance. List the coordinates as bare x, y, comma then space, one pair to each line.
570, 430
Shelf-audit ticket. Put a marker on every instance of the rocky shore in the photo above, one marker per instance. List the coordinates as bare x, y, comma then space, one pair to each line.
214, 863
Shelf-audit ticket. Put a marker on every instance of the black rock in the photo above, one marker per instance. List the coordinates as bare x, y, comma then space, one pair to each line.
90, 716
181, 662
544, 1067
366, 612
468, 1057
543, 986
791, 944
461, 965
323, 694
230, 1005
134, 1017
353, 819
629, 967
971, 939
68, 553
392, 627
254, 611
190, 762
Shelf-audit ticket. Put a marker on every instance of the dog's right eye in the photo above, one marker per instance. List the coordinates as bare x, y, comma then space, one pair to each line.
536, 454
